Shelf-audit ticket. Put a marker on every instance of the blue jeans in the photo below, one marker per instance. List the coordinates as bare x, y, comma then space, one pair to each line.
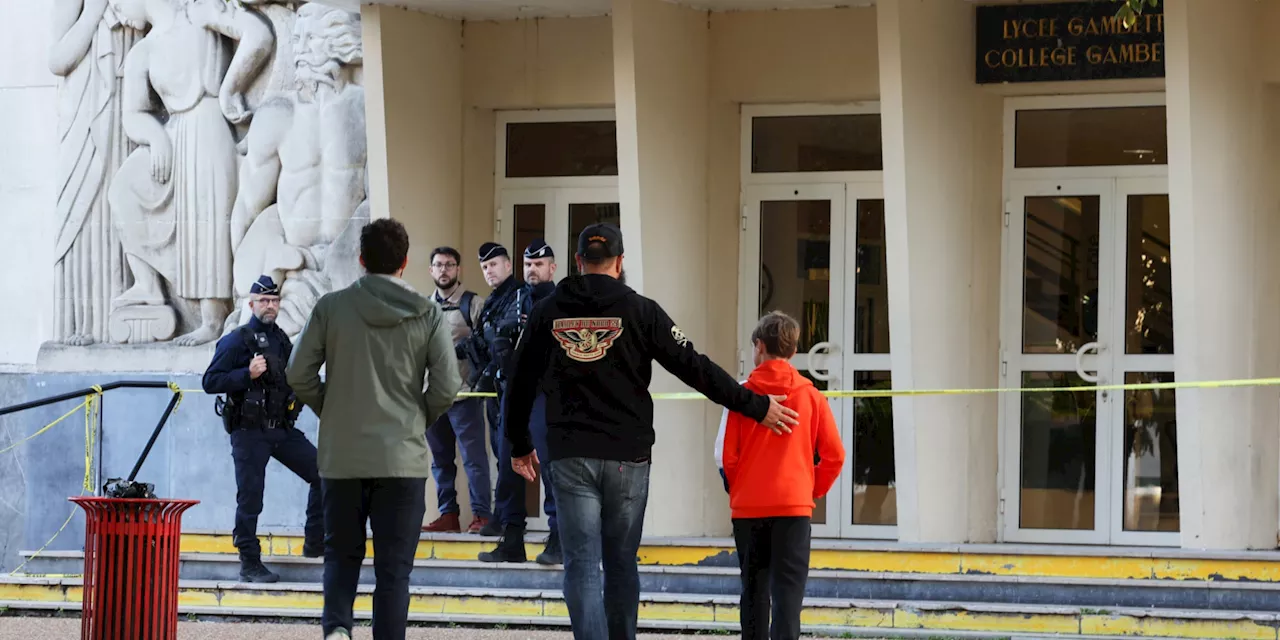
394, 508
601, 513
461, 428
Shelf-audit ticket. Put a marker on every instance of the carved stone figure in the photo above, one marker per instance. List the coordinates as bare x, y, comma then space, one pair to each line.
171, 200
88, 55
303, 177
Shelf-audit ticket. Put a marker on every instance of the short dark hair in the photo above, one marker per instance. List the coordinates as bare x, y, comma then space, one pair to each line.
384, 244
446, 251
779, 333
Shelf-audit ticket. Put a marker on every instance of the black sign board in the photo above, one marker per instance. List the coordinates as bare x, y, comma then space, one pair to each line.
1067, 41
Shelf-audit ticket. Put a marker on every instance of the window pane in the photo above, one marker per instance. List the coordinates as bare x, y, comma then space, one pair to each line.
1090, 137
582, 215
1150, 456
1060, 277
795, 264
1149, 278
872, 322
531, 224
875, 499
816, 143
549, 149
1059, 443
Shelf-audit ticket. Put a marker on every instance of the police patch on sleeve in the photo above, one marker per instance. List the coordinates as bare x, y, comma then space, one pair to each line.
679, 336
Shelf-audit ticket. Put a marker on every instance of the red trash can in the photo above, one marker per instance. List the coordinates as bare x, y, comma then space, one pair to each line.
131, 551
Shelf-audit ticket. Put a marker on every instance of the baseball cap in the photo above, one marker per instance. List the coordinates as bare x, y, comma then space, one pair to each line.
600, 240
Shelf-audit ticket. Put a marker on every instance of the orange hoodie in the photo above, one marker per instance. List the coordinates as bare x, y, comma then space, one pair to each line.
773, 476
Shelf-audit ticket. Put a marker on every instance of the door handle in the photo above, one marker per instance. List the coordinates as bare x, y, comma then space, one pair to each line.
1091, 346
828, 348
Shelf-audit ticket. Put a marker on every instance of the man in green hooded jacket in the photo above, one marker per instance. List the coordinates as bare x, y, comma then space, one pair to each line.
390, 372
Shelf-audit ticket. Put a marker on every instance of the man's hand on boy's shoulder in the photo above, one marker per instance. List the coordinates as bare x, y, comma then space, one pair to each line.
779, 418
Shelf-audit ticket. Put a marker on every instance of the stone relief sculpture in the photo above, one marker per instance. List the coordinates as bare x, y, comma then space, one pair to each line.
303, 178
172, 198
88, 55
205, 142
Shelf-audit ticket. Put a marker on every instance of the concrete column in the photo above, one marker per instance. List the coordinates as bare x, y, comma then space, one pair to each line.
661, 83
1223, 215
942, 185
414, 122
413, 107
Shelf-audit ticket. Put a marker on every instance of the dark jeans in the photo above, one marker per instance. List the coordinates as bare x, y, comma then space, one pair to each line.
538, 429
461, 428
773, 554
394, 508
251, 450
601, 507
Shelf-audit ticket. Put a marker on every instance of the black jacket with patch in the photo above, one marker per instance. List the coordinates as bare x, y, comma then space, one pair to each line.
590, 348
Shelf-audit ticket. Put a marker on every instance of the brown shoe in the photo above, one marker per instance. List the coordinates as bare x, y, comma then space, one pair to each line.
477, 524
447, 523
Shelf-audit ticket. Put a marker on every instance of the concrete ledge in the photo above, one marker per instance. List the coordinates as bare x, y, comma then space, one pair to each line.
115, 361
867, 558
686, 612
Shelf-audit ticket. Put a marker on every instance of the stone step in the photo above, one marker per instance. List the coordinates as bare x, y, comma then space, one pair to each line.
724, 581
1114, 563
693, 611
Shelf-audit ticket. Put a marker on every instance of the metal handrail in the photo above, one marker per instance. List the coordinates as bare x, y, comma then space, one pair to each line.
98, 391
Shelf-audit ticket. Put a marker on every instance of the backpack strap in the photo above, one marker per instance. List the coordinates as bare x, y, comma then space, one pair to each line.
464, 305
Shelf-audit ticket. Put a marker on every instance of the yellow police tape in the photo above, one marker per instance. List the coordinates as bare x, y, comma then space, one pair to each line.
891, 393
92, 410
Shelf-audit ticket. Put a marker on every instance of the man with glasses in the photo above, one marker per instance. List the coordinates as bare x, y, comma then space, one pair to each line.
259, 412
462, 427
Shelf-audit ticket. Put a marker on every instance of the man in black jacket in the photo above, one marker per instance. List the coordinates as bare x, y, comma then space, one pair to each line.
590, 349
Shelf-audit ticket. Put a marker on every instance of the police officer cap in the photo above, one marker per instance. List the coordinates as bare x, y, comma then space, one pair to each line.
265, 286
538, 249
491, 250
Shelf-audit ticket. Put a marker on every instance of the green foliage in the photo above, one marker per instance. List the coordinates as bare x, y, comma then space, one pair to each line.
1131, 9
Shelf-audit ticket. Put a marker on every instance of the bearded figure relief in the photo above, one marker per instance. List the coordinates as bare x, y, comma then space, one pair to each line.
302, 198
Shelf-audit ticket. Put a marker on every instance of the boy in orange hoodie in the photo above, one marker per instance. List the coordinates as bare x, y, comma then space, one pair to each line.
773, 483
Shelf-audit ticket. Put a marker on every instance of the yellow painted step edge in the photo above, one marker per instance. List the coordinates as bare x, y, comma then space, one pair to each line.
888, 561
1064, 621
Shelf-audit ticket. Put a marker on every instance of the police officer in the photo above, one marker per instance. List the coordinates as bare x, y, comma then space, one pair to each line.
500, 323
259, 412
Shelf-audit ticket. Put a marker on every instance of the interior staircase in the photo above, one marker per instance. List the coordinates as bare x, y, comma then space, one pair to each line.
855, 588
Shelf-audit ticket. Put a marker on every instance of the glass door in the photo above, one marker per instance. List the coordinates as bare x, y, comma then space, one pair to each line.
1145, 504
793, 243
803, 248
1056, 461
556, 215
1087, 303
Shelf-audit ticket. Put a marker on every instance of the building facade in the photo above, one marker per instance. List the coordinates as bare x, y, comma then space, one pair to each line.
947, 194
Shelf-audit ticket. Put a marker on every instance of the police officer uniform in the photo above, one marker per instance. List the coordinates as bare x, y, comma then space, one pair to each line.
259, 414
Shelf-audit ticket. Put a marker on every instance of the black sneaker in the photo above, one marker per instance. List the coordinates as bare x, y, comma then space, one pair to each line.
510, 548
551, 555
252, 570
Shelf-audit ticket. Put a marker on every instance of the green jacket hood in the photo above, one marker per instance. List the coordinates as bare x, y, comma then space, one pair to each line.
383, 301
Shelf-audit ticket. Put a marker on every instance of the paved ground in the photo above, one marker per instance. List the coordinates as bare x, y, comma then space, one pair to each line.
15, 628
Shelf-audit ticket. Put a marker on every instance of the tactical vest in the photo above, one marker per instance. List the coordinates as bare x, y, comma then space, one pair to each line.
269, 403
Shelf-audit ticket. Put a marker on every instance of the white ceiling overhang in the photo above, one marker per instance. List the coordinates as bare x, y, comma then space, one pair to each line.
517, 9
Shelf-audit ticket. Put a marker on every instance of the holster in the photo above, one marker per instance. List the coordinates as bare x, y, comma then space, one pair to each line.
229, 410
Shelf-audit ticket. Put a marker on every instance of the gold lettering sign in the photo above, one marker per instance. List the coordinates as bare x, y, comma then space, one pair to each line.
1066, 41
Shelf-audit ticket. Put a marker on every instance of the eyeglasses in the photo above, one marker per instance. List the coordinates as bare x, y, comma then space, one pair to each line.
450, 266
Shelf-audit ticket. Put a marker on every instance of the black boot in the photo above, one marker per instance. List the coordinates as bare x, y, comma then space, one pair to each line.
252, 570
551, 554
510, 547
313, 549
